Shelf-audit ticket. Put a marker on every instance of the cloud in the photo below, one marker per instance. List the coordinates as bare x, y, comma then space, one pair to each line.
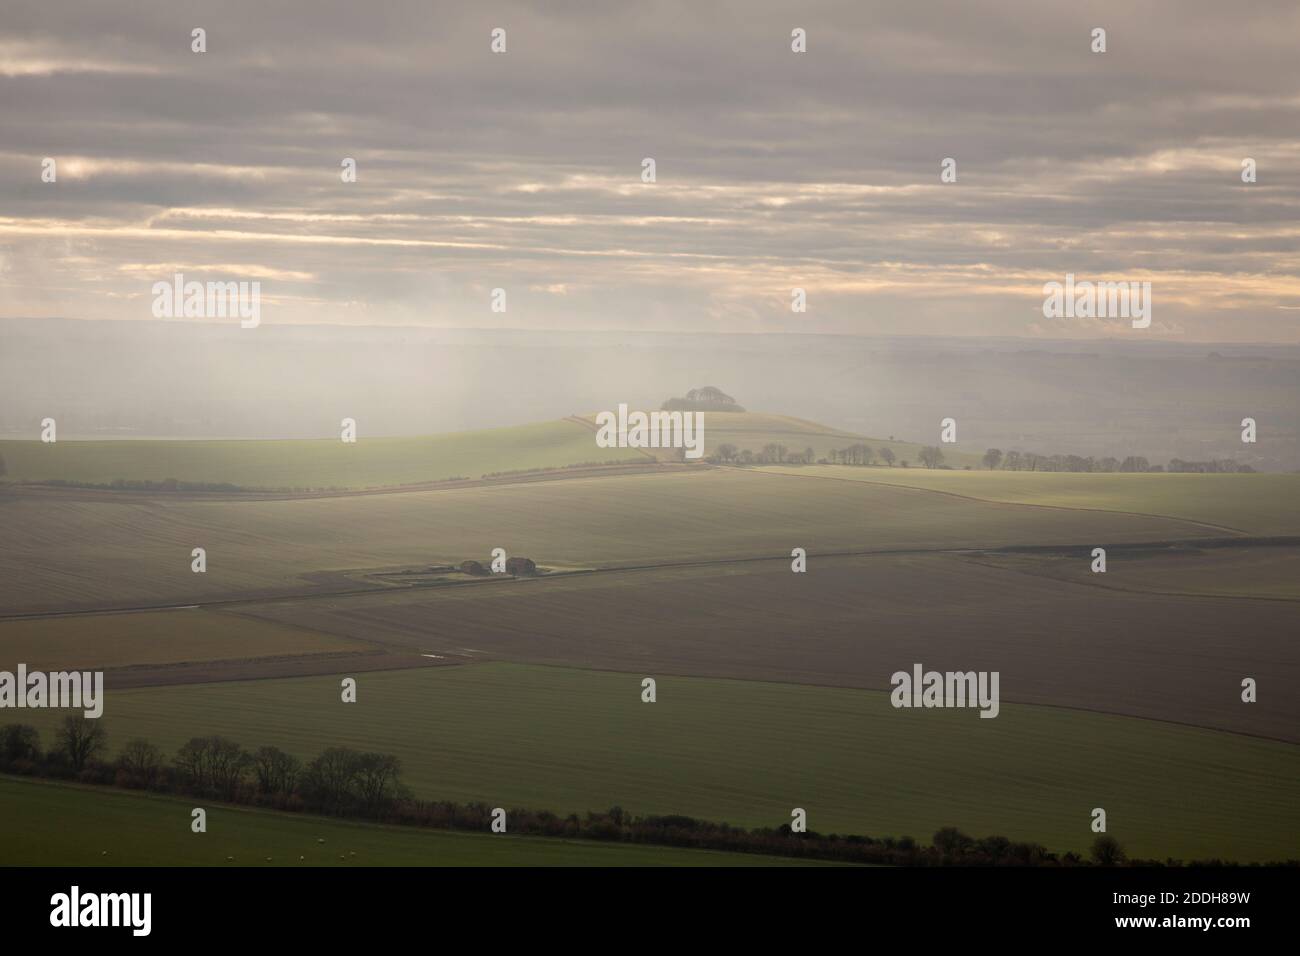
523, 170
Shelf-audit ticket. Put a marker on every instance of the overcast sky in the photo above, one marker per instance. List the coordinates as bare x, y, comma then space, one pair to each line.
775, 169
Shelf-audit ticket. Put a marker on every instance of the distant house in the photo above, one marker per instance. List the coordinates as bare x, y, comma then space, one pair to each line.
520, 567
473, 567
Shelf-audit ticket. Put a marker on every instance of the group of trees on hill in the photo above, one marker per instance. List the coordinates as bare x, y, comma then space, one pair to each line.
706, 399
349, 783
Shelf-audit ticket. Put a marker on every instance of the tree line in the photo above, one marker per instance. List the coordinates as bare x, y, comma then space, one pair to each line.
340, 781
994, 459
775, 453
349, 783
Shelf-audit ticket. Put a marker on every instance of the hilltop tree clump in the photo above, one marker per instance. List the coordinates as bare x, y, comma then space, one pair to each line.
706, 399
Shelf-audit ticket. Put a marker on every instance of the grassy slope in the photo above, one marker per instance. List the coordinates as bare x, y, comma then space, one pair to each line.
747, 752
1263, 504
371, 462
380, 462
46, 824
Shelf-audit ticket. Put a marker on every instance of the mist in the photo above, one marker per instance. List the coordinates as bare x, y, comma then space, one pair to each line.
182, 379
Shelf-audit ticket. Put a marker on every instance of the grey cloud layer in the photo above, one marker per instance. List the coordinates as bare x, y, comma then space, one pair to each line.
522, 171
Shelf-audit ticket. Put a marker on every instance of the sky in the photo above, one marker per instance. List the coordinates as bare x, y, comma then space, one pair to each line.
774, 170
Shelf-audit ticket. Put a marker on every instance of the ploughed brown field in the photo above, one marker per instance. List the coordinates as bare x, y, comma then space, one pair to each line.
854, 621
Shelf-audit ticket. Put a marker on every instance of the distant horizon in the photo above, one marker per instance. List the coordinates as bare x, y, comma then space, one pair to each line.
613, 330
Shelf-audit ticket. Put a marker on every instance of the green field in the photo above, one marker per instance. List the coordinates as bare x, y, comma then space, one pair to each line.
384, 462
1258, 504
48, 824
326, 463
374, 462
747, 752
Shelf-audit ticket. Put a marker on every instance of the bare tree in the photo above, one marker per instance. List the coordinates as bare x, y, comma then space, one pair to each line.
887, 456
331, 779
1106, 851
931, 456
377, 779
19, 742
227, 765
191, 762
276, 771
212, 764
141, 760
81, 738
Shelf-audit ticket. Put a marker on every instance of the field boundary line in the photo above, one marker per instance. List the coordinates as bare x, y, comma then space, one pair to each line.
974, 558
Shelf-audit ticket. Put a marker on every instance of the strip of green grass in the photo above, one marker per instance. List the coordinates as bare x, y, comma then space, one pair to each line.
47, 824
749, 752
328, 463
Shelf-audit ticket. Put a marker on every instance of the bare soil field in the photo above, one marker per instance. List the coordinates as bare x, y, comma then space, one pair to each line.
160, 638
854, 621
